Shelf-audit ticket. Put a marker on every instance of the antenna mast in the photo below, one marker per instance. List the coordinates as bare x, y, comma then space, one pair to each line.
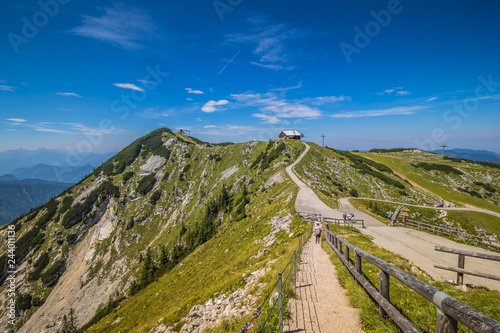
323, 137
444, 146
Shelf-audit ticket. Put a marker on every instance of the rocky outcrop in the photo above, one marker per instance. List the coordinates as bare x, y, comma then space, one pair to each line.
214, 311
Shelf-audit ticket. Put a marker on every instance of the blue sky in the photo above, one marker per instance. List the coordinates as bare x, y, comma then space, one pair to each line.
95, 75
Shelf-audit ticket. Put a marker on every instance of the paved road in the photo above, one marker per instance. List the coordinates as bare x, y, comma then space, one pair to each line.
470, 209
416, 246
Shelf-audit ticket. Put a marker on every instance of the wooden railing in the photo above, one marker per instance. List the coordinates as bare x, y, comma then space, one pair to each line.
450, 311
450, 232
460, 270
319, 217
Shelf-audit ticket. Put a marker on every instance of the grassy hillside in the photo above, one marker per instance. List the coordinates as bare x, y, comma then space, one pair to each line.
465, 183
166, 210
333, 174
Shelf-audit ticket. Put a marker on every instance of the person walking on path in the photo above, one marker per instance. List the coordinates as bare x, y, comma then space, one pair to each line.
345, 217
317, 232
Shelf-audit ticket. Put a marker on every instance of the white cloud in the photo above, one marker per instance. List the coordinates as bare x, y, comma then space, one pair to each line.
401, 110
431, 99
211, 106
328, 99
228, 130
269, 43
388, 91
152, 113
7, 88
398, 90
128, 86
274, 108
146, 82
120, 26
68, 94
189, 99
199, 119
197, 92
17, 120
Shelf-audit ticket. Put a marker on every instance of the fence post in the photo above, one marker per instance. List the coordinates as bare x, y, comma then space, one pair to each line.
383, 280
294, 272
357, 263
445, 324
461, 264
346, 252
300, 248
280, 304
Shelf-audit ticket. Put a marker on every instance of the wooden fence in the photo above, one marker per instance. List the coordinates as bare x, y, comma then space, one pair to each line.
450, 232
450, 311
460, 270
318, 217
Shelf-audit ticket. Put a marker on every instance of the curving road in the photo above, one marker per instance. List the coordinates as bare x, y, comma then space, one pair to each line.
414, 245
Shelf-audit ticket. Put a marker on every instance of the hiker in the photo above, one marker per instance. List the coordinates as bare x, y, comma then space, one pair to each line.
390, 215
345, 217
317, 232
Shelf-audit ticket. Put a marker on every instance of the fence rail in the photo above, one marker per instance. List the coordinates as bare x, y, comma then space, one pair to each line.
460, 270
450, 311
319, 217
450, 232
284, 285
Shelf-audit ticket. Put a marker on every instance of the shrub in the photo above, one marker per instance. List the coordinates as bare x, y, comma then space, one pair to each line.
146, 184
127, 175
440, 167
39, 266
52, 274
353, 193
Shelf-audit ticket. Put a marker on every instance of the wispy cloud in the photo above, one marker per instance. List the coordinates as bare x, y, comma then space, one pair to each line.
120, 26
62, 128
274, 108
16, 120
431, 99
7, 88
401, 110
228, 130
197, 92
128, 86
146, 82
398, 90
322, 100
152, 113
269, 42
68, 94
212, 106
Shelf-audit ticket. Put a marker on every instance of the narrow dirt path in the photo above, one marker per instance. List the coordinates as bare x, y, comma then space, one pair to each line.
416, 246
321, 304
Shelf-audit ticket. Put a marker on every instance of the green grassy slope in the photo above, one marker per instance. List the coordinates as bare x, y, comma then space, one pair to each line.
333, 175
477, 185
174, 209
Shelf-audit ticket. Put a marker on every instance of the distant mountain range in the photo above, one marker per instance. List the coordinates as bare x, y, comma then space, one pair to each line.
29, 178
49, 164
471, 154
19, 196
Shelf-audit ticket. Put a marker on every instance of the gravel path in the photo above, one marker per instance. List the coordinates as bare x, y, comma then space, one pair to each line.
416, 246
321, 304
